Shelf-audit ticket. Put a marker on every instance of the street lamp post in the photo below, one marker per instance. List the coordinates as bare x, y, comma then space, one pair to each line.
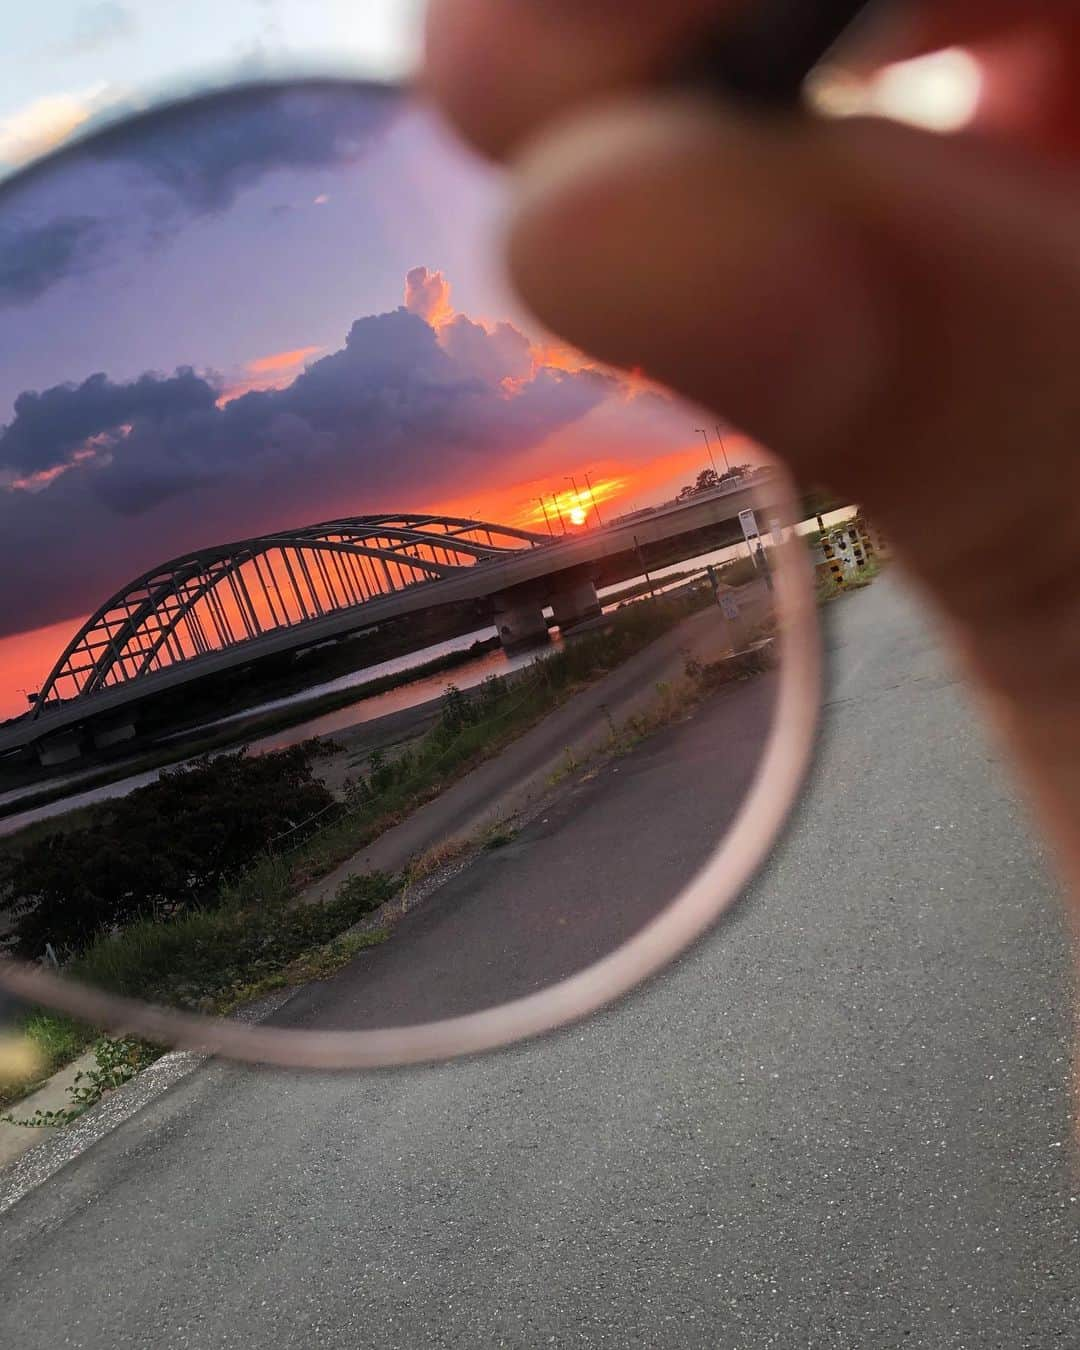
723, 450
547, 518
592, 495
555, 499
708, 446
577, 495
644, 567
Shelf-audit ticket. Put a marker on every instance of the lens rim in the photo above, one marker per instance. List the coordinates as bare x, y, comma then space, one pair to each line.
710, 896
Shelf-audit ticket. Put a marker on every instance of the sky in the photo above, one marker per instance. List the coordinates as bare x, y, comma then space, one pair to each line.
262, 313
69, 64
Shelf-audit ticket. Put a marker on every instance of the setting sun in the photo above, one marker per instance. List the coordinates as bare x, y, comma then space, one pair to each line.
577, 516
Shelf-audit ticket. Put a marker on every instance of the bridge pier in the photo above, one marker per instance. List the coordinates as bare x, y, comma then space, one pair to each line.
576, 603
60, 750
520, 621
115, 734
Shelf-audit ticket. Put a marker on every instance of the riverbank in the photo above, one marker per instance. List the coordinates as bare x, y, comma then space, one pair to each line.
237, 731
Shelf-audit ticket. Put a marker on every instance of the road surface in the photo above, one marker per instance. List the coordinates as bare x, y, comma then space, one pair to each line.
841, 1122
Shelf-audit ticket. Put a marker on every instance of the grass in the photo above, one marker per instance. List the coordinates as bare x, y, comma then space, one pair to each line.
54, 1040
828, 589
209, 960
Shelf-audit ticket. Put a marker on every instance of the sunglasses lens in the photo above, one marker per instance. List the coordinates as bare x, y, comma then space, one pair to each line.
356, 636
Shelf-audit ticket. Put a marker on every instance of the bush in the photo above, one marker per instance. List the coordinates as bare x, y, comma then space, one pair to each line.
194, 959
160, 850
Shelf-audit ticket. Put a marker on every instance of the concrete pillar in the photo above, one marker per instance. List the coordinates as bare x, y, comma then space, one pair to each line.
114, 735
520, 621
575, 603
60, 750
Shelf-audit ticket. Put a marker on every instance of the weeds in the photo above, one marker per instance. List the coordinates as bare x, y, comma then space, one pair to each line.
116, 1063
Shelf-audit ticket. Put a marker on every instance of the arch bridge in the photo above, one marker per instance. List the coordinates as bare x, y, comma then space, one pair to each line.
215, 599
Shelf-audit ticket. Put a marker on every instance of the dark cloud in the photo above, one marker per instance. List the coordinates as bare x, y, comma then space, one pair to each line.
155, 466
208, 152
35, 257
504, 354
50, 427
203, 154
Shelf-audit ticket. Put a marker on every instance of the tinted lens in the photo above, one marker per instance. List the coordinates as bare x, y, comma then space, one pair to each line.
354, 634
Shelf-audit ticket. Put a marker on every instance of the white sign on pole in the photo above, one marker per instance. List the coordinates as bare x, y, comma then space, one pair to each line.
751, 533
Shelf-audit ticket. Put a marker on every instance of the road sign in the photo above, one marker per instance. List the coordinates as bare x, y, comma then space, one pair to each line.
751, 533
729, 605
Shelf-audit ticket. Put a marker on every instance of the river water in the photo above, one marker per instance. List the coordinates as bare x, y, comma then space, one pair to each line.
410, 695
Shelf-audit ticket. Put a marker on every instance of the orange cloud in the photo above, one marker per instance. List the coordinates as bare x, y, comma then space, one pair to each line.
281, 362
45, 123
269, 372
34, 481
427, 294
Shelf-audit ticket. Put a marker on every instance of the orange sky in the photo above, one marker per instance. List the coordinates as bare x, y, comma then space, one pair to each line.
619, 486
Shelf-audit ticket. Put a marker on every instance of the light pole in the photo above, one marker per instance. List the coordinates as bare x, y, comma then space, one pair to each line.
547, 518
723, 450
555, 499
701, 431
577, 494
592, 494
644, 567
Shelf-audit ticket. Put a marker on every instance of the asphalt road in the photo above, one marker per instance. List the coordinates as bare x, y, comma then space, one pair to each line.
841, 1122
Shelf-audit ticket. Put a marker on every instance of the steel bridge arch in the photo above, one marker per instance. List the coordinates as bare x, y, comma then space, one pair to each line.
212, 599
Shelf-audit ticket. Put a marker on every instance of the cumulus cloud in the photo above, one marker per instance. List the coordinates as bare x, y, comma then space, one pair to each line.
50, 427
427, 294
501, 354
127, 473
35, 257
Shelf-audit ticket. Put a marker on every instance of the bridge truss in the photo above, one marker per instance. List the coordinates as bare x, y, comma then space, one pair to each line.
222, 597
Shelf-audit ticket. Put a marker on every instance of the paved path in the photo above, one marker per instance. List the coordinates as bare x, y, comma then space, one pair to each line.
839, 1123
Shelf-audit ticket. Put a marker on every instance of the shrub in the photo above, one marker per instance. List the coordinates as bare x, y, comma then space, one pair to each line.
158, 851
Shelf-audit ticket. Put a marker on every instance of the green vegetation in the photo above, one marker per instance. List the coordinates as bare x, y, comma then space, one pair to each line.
829, 588
158, 852
116, 1062
708, 480
209, 960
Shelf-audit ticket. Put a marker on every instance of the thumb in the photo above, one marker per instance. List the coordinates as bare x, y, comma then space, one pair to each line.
895, 314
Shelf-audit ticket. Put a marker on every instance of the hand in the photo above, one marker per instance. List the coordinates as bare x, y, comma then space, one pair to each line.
896, 314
